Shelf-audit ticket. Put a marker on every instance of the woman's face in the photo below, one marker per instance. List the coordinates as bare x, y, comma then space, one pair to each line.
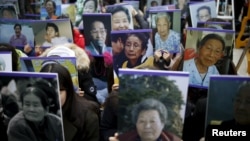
51, 32
162, 27
117, 46
63, 96
149, 125
49, 7
32, 108
89, 7
133, 48
210, 52
120, 21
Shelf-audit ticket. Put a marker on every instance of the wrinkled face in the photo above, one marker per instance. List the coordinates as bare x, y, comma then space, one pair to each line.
63, 96
18, 30
51, 32
162, 27
210, 52
49, 7
241, 106
98, 33
149, 125
117, 46
7, 14
203, 15
89, 7
32, 108
133, 48
120, 21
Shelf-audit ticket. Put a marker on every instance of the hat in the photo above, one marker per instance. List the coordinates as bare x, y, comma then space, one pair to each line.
61, 51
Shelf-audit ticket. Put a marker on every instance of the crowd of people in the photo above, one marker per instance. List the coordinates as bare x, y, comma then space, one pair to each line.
88, 114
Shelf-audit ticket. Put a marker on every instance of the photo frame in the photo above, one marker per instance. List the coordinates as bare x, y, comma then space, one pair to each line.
138, 85
19, 86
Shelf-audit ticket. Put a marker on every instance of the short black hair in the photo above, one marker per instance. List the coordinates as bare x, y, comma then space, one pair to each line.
52, 25
142, 36
204, 7
17, 24
53, 3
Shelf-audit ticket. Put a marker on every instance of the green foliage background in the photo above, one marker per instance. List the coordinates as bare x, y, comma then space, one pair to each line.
134, 88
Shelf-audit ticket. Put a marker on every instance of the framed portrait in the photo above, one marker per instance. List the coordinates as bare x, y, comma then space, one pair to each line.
198, 42
34, 98
202, 11
121, 11
97, 27
43, 12
227, 106
137, 94
23, 29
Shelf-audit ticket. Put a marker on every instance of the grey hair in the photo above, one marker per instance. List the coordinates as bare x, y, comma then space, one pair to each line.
162, 15
150, 104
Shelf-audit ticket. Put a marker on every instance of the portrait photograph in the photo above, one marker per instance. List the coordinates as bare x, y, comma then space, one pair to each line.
140, 103
131, 49
154, 3
85, 7
8, 11
205, 53
16, 28
97, 28
5, 61
52, 32
46, 8
202, 11
34, 64
166, 25
122, 18
228, 104
33, 99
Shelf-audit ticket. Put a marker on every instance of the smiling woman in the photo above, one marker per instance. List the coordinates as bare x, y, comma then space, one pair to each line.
34, 122
210, 50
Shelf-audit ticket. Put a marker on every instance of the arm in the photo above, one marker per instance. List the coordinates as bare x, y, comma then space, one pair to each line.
139, 18
143, 24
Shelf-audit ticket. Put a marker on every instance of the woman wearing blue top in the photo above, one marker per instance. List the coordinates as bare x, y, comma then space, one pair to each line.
210, 50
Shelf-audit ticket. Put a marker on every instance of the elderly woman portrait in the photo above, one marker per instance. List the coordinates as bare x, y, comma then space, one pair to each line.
34, 122
134, 49
149, 117
166, 38
121, 18
209, 51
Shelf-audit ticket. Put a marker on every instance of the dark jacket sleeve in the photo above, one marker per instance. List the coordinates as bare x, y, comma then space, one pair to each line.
92, 126
87, 85
141, 21
108, 125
